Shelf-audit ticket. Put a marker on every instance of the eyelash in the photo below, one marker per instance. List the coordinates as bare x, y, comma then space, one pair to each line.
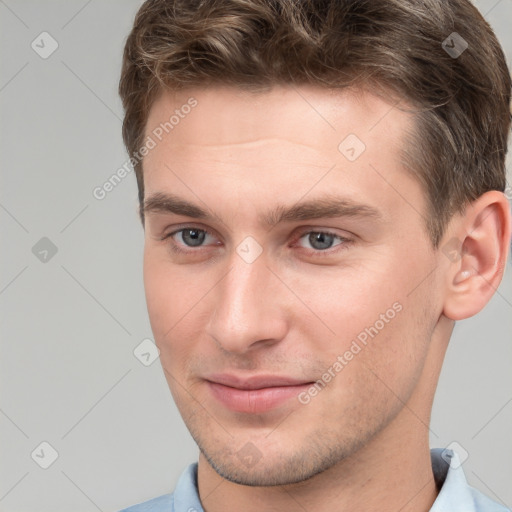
176, 248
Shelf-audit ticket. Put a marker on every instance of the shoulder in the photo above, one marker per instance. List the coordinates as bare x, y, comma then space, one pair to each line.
455, 494
184, 497
162, 503
485, 504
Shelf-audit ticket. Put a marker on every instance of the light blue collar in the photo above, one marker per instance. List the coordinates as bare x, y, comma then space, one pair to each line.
455, 495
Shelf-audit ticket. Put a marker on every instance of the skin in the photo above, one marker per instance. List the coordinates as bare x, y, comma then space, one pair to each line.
361, 443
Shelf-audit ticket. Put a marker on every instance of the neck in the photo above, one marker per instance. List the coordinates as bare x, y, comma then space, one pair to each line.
384, 475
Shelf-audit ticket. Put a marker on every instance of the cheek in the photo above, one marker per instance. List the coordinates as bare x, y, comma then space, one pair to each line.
394, 343
158, 292
368, 313
165, 297
345, 304
174, 298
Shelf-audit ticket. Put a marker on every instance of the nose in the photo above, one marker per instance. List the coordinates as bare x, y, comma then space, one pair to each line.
249, 311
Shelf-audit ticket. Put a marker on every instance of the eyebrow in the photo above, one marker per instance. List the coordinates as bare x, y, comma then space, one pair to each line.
327, 206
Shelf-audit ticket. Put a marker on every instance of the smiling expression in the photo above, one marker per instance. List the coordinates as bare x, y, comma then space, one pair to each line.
269, 248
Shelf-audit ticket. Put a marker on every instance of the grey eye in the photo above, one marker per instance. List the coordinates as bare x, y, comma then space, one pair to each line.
192, 237
319, 240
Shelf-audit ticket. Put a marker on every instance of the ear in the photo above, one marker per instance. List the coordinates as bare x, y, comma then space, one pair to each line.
476, 246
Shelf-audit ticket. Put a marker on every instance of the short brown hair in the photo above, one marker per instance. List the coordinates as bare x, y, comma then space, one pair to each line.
461, 102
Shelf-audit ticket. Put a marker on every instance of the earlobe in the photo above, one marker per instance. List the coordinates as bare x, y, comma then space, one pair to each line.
477, 255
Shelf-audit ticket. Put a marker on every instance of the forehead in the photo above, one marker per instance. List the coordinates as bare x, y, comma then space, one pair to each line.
303, 114
277, 145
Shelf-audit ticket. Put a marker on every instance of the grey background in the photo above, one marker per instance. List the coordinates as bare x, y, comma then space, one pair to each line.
69, 325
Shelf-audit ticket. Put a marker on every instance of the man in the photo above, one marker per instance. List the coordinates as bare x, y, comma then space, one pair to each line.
321, 189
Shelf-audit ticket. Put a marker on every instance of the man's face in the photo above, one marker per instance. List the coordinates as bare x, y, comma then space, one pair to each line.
250, 307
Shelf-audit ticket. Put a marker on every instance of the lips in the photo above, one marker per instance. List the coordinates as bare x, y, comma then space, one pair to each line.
256, 394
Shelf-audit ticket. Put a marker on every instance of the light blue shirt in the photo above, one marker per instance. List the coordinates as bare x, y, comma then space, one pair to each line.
455, 495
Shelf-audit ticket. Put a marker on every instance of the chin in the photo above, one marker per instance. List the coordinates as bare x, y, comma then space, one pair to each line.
252, 467
266, 475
